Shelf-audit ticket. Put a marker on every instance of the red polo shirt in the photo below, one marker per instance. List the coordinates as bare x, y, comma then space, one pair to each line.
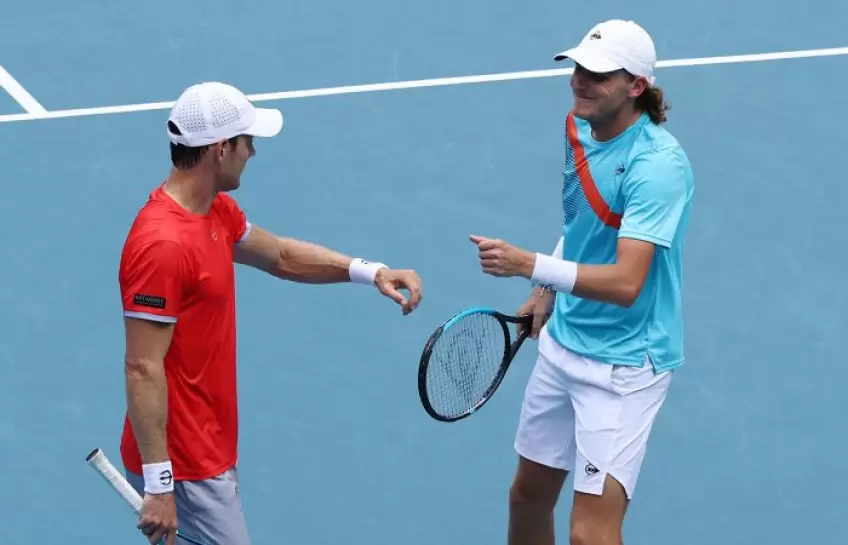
177, 267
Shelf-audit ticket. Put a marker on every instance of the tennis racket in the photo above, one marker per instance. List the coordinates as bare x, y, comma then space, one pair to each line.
97, 460
465, 360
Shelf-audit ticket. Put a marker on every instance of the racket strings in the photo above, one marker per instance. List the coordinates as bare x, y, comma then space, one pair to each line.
463, 364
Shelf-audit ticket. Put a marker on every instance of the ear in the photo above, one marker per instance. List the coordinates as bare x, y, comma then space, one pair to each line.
639, 86
220, 151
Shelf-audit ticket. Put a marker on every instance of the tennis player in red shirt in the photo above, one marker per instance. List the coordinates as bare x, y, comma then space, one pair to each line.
179, 444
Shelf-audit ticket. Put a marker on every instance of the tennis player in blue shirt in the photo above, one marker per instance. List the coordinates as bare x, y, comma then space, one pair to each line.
607, 306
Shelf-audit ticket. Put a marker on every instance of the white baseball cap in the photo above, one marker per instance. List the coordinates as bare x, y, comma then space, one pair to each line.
211, 112
613, 45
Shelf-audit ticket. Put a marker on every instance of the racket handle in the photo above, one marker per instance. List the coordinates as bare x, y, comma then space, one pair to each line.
98, 461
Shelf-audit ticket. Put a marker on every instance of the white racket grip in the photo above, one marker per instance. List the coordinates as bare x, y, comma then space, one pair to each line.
97, 460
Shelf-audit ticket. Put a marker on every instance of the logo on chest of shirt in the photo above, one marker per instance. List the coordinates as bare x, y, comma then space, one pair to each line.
214, 234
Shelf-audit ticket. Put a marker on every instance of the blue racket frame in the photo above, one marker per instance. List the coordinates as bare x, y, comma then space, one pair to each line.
511, 348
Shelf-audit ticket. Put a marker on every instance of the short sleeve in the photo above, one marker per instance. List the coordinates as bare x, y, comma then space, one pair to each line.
656, 191
153, 279
234, 218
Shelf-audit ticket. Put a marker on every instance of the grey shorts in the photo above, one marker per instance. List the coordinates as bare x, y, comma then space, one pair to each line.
209, 511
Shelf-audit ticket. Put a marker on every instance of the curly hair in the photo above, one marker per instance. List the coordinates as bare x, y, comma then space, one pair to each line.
652, 101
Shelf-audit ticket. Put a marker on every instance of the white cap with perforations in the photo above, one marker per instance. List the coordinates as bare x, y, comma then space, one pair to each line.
613, 45
211, 112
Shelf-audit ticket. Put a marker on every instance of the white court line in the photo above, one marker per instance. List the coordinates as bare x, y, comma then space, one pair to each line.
437, 82
17, 91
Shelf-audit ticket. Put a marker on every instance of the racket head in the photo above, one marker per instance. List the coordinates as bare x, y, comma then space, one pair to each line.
464, 361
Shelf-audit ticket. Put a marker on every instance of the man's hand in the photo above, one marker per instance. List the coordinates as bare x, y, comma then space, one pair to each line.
158, 518
540, 305
498, 258
390, 281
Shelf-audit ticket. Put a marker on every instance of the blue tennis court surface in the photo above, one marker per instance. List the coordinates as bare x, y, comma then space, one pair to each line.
335, 448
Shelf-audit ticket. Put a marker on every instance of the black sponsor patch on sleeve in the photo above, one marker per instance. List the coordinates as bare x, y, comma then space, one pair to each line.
144, 300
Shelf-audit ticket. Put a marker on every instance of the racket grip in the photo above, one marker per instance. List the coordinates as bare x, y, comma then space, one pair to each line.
98, 461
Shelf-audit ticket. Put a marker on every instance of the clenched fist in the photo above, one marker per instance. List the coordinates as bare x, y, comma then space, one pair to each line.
540, 305
499, 258
158, 518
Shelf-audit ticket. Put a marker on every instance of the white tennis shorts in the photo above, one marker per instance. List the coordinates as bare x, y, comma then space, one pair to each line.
587, 417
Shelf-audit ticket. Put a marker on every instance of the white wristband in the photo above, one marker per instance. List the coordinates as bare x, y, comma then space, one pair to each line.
158, 478
363, 272
557, 274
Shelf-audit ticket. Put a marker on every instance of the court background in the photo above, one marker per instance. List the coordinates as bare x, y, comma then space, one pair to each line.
335, 447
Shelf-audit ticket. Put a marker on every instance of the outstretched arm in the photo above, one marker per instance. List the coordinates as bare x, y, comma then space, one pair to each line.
619, 283
310, 263
292, 259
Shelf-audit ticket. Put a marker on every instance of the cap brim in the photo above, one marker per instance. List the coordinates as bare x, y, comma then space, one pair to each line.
588, 59
268, 123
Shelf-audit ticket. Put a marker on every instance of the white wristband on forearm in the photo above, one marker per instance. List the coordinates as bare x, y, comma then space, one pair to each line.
558, 274
363, 272
158, 478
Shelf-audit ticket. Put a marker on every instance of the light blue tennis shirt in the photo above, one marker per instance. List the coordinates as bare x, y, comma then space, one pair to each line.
638, 185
